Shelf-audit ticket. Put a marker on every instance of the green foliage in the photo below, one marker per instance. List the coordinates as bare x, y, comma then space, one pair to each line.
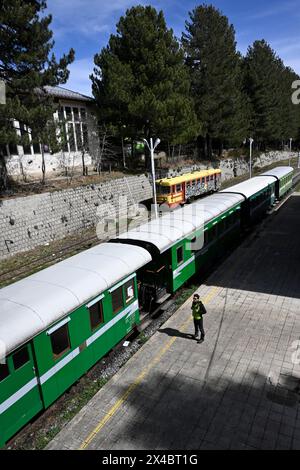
268, 83
140, 81
215, 69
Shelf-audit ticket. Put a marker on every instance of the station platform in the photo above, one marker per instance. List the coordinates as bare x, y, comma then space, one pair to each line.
240, 388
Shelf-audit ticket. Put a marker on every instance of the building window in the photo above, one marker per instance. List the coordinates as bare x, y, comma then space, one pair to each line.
179, 253
68, 113
85, 136
76, 114
61, 115
83, 114
71, 136
20, 358
129, 291
96, 315
60, 341
117, 299
78, 135
4, 371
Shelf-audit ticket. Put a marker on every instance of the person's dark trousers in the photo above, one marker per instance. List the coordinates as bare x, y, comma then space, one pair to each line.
199, 327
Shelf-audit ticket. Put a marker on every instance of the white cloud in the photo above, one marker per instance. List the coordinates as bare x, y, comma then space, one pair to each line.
82, 17
276, 10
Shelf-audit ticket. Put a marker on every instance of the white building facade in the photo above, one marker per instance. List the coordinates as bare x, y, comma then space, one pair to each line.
75, 111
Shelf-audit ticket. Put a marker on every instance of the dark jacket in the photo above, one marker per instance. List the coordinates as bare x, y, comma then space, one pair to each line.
198, 309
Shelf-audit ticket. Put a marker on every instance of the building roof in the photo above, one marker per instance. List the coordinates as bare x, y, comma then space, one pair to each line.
278, 172
64, 93
29, 306
250, 187
187, 177
167, 230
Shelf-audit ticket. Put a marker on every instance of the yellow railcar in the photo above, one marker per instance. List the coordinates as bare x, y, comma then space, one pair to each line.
180, 189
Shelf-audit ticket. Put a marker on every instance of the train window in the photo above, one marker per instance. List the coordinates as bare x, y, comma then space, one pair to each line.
96, 314
60, 341
205, 237
178, 188
163, 189
212, 177
117, 299
129, 291
179, 253
4, 371
20, 358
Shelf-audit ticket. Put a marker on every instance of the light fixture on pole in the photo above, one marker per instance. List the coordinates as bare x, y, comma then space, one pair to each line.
251, 143
151, 148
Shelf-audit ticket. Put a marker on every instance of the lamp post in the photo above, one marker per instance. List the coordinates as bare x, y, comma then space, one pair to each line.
152, 147
251, 143
291, 140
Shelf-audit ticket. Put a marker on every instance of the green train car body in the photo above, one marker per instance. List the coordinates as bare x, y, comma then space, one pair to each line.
218, 235
58, 323
48, 363
283, 177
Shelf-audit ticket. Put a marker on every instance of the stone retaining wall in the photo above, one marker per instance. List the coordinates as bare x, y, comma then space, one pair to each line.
31, 221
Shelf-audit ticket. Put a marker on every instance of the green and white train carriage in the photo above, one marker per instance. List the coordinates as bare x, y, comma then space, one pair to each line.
259, 195
283, 176
57, 323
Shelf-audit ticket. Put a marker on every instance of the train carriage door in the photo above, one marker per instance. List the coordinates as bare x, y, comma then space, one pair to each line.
20, 397
184, 192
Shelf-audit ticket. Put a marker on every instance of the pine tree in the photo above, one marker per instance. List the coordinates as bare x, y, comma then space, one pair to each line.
26, 66
140, 81
263, 87
215, 69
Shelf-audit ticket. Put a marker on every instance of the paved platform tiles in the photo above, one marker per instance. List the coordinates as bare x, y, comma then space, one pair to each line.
237, 390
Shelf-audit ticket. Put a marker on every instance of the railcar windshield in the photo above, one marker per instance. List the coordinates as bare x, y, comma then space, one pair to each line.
163, 189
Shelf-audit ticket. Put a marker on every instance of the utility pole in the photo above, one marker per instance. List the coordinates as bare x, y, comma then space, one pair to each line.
291, 140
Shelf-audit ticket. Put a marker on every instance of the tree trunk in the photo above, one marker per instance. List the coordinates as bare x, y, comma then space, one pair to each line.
43, 165
3, 173
208, 146
83, 163
169, 152
123, 152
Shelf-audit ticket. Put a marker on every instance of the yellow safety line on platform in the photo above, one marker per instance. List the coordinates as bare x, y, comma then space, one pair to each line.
139, 379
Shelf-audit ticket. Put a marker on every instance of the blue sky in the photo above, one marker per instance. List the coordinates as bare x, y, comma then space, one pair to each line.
86, 26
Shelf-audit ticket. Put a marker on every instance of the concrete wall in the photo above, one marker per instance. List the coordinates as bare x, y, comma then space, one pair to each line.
230, 167
31, 165
27, 222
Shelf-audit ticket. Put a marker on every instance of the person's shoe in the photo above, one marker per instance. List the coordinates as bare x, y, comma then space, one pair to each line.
202, 338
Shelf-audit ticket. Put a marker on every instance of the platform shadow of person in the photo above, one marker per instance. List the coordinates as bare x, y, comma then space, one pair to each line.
178, 334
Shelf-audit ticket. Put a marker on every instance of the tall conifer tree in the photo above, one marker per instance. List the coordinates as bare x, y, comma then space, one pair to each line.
215, 69
25, 66
140, 81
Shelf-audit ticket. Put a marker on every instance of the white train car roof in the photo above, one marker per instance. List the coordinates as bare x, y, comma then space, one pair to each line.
29, 306
278, 172
167, 230
250, 187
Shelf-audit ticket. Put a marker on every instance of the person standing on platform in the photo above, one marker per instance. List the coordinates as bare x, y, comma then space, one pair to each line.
198, 310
